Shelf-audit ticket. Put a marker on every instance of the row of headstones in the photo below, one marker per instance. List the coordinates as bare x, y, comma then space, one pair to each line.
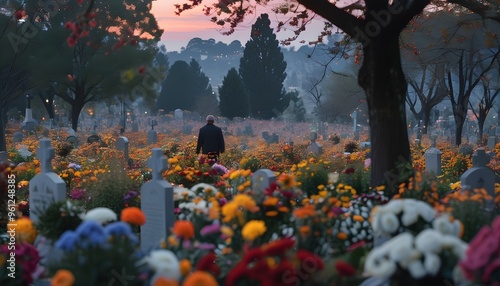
477, 177
157, 200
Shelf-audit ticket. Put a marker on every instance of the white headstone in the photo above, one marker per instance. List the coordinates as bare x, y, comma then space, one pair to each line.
122, 145
261, 180
152, 136
18, 137
157, 203
433, 161
47, 187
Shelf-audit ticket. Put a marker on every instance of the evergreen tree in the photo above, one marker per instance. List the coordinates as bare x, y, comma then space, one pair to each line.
233, 97
262, 69
184, 86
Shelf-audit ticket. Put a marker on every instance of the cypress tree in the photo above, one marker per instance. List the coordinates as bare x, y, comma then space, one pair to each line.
232, 96
262, 69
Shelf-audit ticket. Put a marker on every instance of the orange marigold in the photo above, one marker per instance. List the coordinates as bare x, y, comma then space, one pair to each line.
200, 278
185, 266
133, 215
183, 229
63, 277
162, 281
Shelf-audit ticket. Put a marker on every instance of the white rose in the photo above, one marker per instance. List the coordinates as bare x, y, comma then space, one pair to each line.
100, 215
425, 211
164, 263
389, 222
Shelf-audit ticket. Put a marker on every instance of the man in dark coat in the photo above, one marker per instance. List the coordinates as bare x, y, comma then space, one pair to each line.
210, 139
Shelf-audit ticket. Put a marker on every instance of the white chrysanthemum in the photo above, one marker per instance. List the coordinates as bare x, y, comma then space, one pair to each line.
409, 217
416, 269
432, 263
455, 244
425, 210
204, 187
180, 191
201, 206
389, 222
100, 215
164, 263
333, 177
429, 240
457, 227
400, 247
379, 266
393, 206
187, 206
443, 225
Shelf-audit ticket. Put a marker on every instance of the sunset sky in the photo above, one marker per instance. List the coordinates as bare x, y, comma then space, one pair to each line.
178, 30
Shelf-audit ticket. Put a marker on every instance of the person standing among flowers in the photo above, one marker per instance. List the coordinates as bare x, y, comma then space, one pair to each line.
210, 140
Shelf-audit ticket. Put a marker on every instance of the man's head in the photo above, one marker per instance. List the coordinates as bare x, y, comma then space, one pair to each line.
210, 119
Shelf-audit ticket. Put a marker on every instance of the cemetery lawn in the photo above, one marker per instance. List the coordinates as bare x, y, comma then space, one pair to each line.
266, 214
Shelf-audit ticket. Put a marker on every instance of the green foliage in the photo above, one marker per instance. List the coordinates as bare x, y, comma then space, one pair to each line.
262, 69
233, 96
472, 215
252, 163
58, 218
183, 86
310, 176
111, 188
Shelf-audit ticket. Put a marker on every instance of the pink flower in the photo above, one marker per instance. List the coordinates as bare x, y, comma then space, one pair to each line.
490, 268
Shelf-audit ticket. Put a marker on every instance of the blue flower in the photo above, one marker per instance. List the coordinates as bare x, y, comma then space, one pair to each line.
91, 233
68, 241
74, 166
118, 228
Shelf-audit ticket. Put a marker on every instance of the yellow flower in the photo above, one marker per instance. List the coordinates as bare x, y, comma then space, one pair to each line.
358, 218
227, 231
270, 201
271, 213
25, 230
253, 229
229, 211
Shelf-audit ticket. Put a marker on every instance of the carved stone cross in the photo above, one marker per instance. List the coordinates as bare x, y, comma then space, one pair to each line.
45, 153
158, 163
480, 158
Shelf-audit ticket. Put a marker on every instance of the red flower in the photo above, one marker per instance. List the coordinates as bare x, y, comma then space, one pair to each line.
71, 41
349, 171
133, 42
79, 2
345, 269
309, 263
141, 71
272, 187
19, 14
70, 77
207, 263
278, 247
356, 245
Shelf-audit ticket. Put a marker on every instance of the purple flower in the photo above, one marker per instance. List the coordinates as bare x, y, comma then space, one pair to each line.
77, 194
177, 211
220, 169
210, 229
130, 195
337, 210
205, 246
222, 202
74, 166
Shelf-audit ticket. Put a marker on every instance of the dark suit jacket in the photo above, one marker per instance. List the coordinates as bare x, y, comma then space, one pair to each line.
210, 139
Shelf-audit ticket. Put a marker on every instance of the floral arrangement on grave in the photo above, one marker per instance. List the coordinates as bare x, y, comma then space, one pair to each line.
481, 263
5, 194
421, 249
58, 218
24, 269
97, 255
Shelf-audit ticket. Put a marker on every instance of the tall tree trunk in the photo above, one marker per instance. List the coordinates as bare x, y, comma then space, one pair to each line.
382, 78
459, 127
460, 114
77, 106
480, 123
427, 119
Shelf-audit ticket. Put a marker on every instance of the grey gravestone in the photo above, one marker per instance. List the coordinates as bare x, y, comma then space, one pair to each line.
122, 145
29, 123
93, 138
239, 132
492, 141
18, 137
152, 136
433, 161
479, 176
261, 180
135, 127
248, 131
157, 203
46, 187
73, 140
473, 139
313, 136
356, 135
186, 129
315, 148
178, 114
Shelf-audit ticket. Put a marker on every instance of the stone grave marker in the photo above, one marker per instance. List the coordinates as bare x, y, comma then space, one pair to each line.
178, 114
122, 145
186, 129
28, 123
248, 131
479, 176
73, 140
46, 187
157, 203
261, 180
18, 137
365, 145
315, 148
433, 161
152, 134
492, 141
93, 139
